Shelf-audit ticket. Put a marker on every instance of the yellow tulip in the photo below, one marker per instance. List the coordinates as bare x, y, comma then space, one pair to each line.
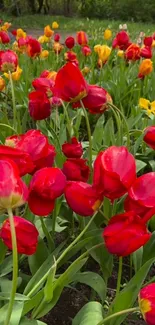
97, 48
55, 25
153, 43
15, 75
20, 33
48, 32
44, 54
104, 53
6, 26
120, 53
43, 39
147, 105
2, 84
107, 34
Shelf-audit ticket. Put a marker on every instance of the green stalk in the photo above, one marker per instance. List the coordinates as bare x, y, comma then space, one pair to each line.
122, 312
69, 125
13, 102
119, 275
89, 138
47, 234
15, 268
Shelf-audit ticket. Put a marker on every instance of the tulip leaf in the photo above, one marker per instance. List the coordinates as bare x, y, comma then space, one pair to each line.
6, 266
33, 302
137, 258
18, 296
48, 290
140, 165
94, 280
90, 314
3, 249
16, 313
27, 321
37, 259
149, 249
129, 294
98, 133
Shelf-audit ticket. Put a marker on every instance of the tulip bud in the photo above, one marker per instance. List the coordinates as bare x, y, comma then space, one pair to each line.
107, 34
148, 41
70, 42
75, 169
145, 68
86, 50
82, 38
146, 300
39, 105
72, 149
55, 25
4, 37
57, 37
44, 54
48, 32
33, 48
26, 235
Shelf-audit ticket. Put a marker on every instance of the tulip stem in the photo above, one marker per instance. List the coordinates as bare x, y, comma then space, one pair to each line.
89, 138
69, 125
15, 268
122, 312
47, 234
13, 102
119, 275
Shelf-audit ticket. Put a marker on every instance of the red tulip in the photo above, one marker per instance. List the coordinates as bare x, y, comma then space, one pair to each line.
21, 158
14, 32
33, 48
96, 100
143, 190
70, 56
132, 205
82, 38
114, 43
146, 300
75, 169
8, 61
70, 84
4, 37
44, 74
23, 42
122, 40
26, 235
114, 172
133, 52
146, 52
149, 136
148, 41
72, 149
39, 105
86, 50
125, 234
70, 42
43, 84
13, 191
82, 198
46, 185
57, 37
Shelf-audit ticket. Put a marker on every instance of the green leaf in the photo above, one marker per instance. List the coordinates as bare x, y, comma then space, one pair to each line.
37, 259
27, 321
16, 313
33, 302
129, 294
3, 249
48, 290
140, 165
149, 249
137, 259
98, 133
93, 280
18, 296
6, 266
90, 314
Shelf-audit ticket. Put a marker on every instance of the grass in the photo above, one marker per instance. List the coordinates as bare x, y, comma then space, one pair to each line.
75, 23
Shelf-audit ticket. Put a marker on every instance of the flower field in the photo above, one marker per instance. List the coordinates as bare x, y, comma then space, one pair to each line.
77, 175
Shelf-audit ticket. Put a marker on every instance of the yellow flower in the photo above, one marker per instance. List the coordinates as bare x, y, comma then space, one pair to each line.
153, 43
48, 32
2, 84
6, 26
15, 75
107, 34
20, 33
120, 53
104, 53
15, 46
55, 25
147, 105
85, 71
97, 48
57, 47
44, 54
145, 67
43, 39
52, 75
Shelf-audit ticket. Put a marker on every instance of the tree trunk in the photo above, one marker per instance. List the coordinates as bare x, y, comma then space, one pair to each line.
31, 4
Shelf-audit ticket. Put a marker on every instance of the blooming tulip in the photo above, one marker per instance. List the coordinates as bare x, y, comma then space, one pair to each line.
82, 38
20, 33
70, 84
96, 100
107, 34
133, 52
125, 234
4, 37
82, 198
104, 53
70, 42
39, 105
143, 190
72, 149
75, 169
33, 48
15, 75
114, 172
46, 185
145, 68
146, 300
146, 52
122, 40
13, 191
8, 61
26, 235
48, 32
21, 158
132, 205
149, 136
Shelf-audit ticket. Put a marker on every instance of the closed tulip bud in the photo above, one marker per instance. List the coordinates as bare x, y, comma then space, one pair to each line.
8, 61
146, 52
46, 185
114, 172
125, 234
82, 38
55, 25
26, 235
75, 169
13, 191
82, 198
86, 50
39, 105
133, 52
2, 84
149, 136
96, 101
145, 68
148, 41
146, 300
44, 54
57, 37
107, 34
4, 37
72, 149
120, 53
33, 48
70, 42
70, 84
14, 32
48, 32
